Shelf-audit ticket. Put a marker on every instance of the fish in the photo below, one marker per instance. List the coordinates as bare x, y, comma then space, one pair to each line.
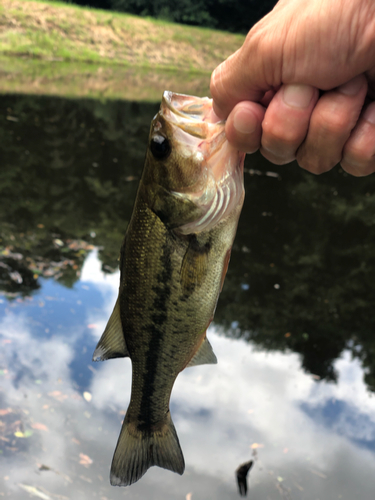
173, 262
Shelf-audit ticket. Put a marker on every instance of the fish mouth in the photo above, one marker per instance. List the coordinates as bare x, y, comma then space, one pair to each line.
200, 134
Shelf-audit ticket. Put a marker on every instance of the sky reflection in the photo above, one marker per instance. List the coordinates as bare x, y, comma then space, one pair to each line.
309, 439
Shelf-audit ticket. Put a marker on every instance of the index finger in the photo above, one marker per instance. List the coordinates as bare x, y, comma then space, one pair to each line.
230, 84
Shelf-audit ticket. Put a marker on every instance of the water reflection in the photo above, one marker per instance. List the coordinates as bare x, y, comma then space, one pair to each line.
293, 332
253, 405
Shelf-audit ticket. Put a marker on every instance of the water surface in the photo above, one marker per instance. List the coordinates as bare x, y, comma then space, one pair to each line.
293, 331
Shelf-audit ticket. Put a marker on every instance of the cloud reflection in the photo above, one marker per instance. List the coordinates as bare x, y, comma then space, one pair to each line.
220, 412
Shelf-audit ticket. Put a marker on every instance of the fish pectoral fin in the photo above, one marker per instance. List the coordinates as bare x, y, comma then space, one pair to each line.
204, 356
112, 342
194, 264
137, 451
172, 208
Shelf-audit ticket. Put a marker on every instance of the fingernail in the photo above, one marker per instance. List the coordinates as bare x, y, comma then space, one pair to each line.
369, 114
298, 96
244, 122
352, 87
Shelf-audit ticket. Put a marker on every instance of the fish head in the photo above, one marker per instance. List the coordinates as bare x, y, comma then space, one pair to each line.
195, 175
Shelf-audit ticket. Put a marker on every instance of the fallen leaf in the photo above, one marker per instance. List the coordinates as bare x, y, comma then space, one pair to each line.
44, 467
87, 479
25, 434
40, 427
58, 395
254, 446
87, 396
85, 460
5, 411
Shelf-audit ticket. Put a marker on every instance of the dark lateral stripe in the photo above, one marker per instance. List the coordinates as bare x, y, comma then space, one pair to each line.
158, 319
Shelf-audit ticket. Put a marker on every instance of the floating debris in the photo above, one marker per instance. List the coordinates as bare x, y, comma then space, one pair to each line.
35, 492
241, 474
87, 396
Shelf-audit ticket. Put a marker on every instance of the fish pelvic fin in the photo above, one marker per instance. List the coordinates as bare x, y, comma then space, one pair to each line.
137, 451
112, 342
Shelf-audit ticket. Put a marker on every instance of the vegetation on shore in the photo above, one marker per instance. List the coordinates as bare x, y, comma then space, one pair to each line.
51, 31
59, 49
235, 16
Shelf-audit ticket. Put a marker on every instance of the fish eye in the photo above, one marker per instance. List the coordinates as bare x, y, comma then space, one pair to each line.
160, 147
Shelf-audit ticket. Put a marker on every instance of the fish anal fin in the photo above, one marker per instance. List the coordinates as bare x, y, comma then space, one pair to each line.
137, 451
194, 264
112, 342
204, 355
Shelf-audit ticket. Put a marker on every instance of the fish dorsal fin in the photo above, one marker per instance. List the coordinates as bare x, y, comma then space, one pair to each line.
204, 356
112, 342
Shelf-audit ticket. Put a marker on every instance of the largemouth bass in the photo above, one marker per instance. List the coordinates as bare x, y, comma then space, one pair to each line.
173, 262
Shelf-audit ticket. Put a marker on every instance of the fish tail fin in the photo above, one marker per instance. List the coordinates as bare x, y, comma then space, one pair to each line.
137, 451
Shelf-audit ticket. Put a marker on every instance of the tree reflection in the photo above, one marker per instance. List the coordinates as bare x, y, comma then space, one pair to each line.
302, 269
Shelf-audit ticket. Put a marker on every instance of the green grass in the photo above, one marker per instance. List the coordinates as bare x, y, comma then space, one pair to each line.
42, 29
50, 31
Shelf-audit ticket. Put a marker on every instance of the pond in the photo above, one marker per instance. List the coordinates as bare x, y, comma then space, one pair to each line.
294, 330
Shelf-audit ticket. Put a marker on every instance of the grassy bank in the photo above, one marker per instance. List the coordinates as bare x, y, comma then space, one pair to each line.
103, 81
105, 47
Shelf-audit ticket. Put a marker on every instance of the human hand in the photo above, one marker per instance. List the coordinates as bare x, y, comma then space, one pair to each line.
301, 85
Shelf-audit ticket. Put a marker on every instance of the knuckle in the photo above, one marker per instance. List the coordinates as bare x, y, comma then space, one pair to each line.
281, 134
333, 124
315, 163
